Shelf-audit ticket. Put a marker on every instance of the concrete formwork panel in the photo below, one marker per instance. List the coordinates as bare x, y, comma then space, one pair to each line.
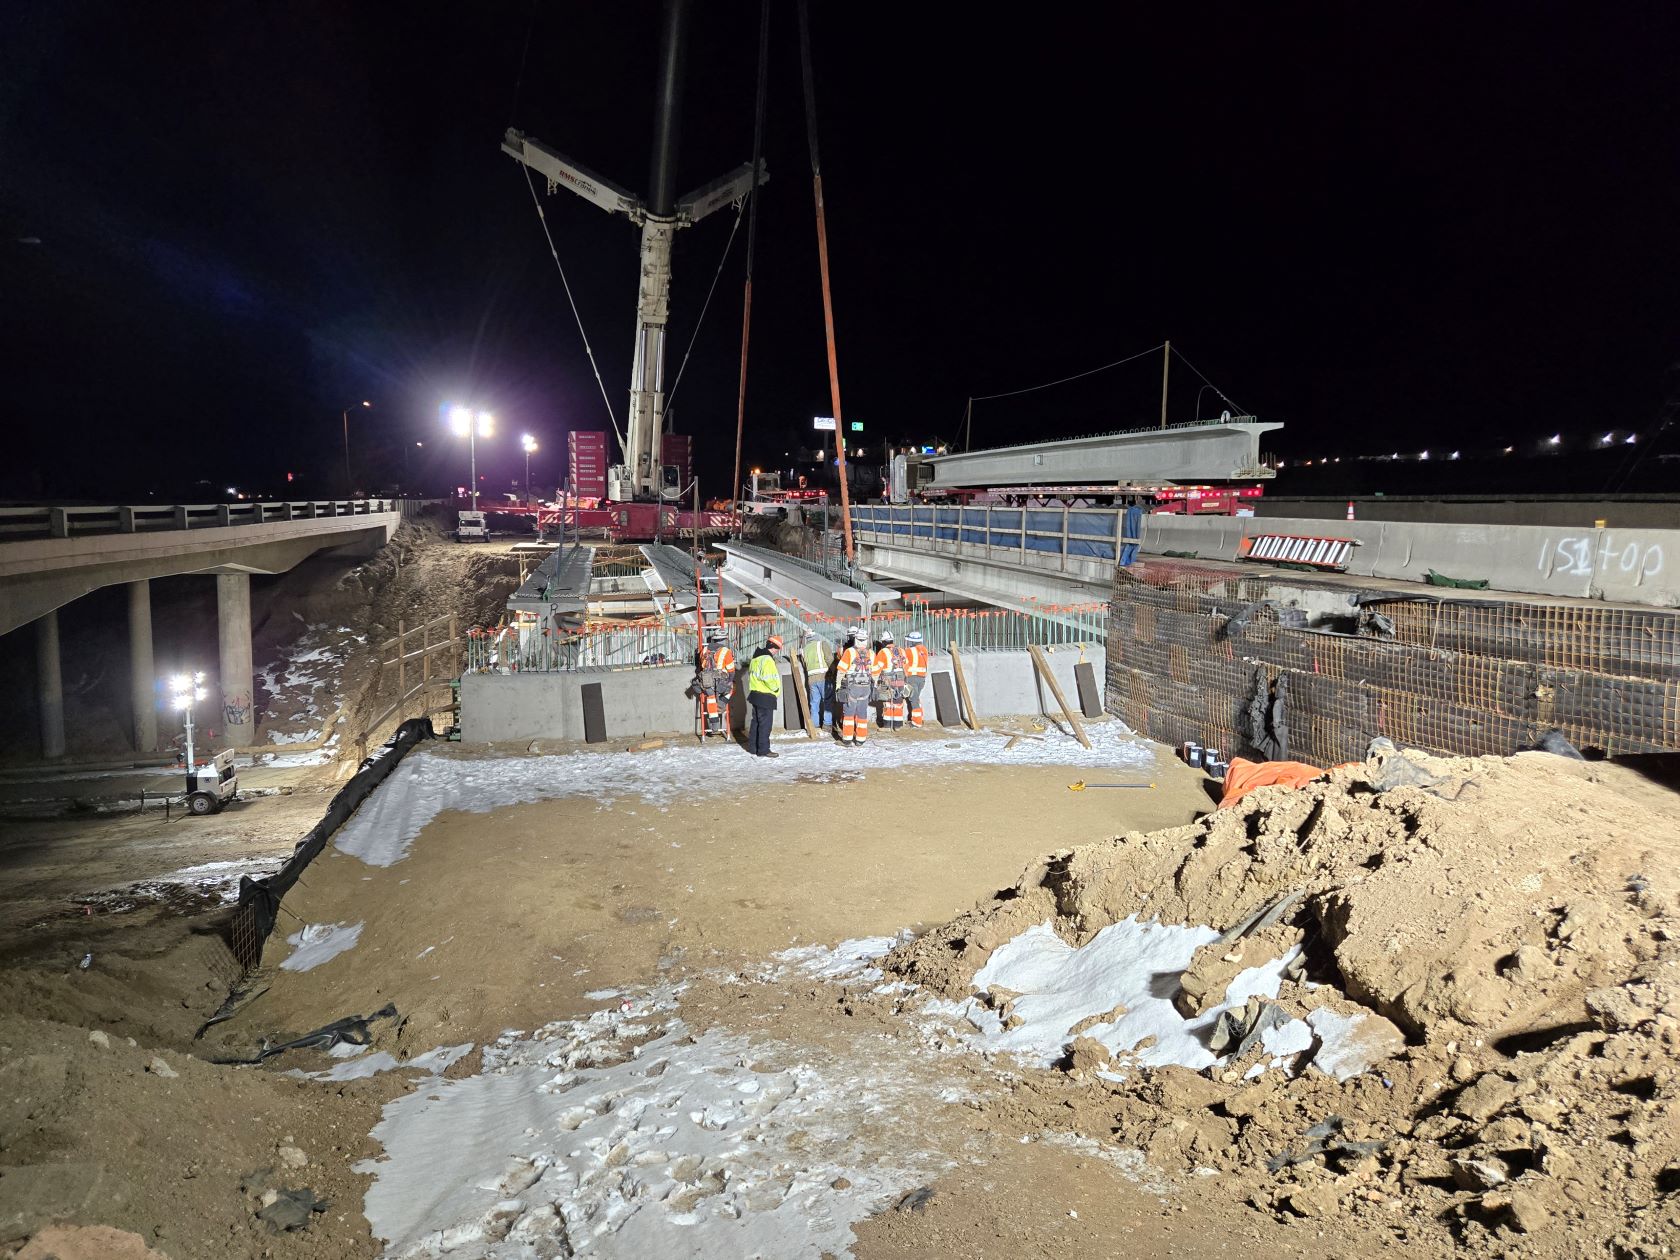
497, 708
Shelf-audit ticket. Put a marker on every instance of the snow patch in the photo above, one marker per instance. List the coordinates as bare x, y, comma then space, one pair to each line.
613, 1136
1130, 969
320, 943
428, 783
356, 1068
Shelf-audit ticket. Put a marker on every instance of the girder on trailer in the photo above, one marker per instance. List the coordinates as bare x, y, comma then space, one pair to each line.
1197, 453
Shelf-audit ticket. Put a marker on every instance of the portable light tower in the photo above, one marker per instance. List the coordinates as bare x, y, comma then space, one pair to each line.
187, 689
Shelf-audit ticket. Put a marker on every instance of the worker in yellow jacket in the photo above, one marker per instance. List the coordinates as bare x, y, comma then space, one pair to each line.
764, 695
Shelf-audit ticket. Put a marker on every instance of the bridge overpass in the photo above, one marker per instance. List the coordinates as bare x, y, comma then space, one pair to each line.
51, 556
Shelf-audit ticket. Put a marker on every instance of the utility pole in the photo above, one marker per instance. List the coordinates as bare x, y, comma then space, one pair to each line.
1166, 362
822, 267
349, 481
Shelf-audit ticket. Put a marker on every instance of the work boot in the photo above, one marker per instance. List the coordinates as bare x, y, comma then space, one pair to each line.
772, 754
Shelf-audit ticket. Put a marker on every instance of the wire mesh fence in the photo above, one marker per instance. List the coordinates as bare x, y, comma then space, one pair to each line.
1199, 653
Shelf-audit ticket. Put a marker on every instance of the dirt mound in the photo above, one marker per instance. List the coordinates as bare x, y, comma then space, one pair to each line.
1515, 918
181, 1152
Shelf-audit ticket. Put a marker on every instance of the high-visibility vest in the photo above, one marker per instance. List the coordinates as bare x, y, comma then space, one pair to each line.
917, 655
888, 661
763, 674
814, 663
851, 665
723, 659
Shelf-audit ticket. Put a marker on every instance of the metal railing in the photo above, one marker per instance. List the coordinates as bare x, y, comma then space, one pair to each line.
74, 522
622, 645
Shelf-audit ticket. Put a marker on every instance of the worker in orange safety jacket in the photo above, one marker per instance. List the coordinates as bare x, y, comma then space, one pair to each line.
916, 663
890, 669
715, 680
852, 689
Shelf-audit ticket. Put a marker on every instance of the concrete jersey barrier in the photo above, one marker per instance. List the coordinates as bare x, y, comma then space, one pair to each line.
1636, 566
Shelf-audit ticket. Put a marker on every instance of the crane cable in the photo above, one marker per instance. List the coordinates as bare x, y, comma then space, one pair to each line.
752, 236
716, 276
587, 349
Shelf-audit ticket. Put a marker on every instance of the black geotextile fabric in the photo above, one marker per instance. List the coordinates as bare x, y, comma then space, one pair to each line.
259, 899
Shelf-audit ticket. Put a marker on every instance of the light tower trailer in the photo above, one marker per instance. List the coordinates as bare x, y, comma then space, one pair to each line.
212, 785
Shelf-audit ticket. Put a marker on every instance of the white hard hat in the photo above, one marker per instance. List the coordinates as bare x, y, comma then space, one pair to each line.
886, 636
852, 632
915, 636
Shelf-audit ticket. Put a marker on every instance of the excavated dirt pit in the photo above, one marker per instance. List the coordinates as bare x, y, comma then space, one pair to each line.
681, 1003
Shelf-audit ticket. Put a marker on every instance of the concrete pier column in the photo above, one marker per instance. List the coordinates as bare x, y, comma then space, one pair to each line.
233, 632
50, 684
142, 673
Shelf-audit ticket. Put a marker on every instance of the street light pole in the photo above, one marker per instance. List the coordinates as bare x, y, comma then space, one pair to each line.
530, 444
463, 421
349, 481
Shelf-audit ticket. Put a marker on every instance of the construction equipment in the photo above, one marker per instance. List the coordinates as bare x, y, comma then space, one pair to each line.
212, 785
639, 478
1079, 785
470, 527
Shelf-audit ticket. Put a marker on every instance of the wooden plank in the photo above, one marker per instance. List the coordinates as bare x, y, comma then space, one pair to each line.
945, 706
432, 624
962, 690
1090, 699
594, 714
800, 690
1043, 666
416, 655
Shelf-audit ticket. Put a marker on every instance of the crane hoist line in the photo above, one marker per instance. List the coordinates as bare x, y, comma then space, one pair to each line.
661, 215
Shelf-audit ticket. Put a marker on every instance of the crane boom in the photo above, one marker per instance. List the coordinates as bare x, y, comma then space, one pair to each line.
638, 476
561, 170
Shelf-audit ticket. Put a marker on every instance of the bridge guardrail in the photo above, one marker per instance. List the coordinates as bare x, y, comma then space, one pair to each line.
1076, 533
76, 522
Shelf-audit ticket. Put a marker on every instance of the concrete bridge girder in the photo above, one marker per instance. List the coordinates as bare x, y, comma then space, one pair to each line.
775, 578
1208, 452
1024, 588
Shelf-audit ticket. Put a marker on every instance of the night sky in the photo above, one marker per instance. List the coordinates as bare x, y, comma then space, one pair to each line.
1386, 226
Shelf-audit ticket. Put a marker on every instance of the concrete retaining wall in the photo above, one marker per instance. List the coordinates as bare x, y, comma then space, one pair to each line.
497, 708
1624, 513
1640, 566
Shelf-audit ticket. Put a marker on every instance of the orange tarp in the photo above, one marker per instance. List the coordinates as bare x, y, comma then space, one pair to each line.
1243, 776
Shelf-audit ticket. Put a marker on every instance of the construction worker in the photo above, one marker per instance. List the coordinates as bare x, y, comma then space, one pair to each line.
714, 678
764, 695
813, 654
852, 687
916, 661
890, 669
